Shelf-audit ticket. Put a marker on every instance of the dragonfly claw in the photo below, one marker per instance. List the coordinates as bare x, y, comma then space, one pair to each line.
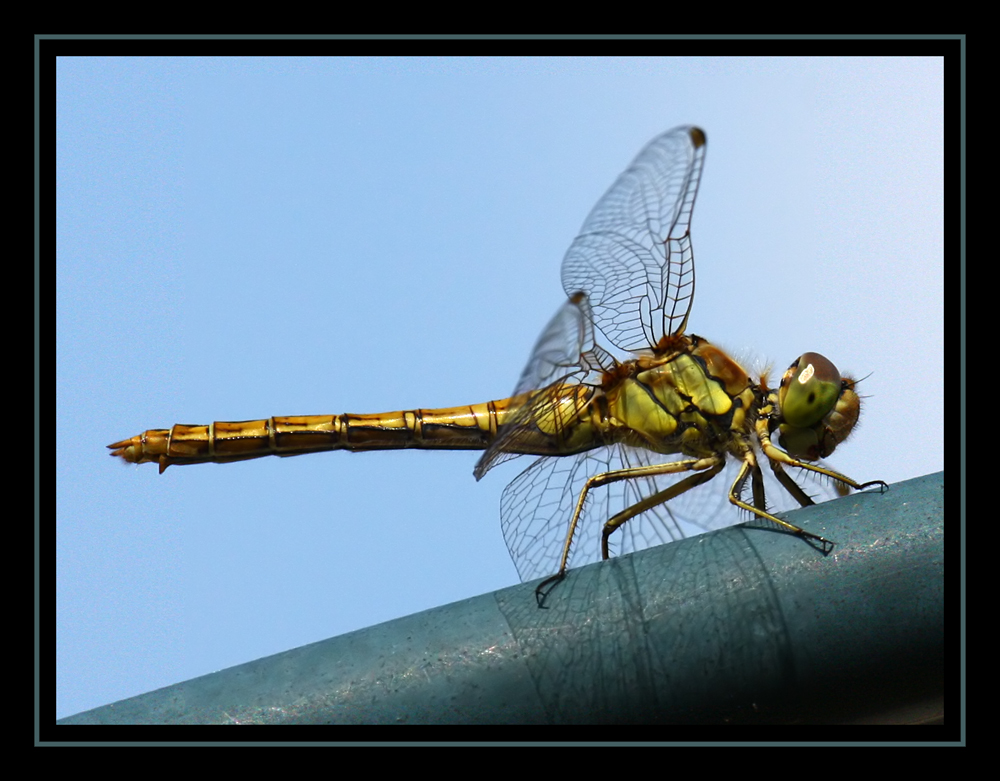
545, 588
883, 486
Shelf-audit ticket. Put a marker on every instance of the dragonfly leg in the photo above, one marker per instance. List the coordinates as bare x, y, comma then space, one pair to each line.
789, 484
543, 588
750, 467
706, 467
656, 499
779, 457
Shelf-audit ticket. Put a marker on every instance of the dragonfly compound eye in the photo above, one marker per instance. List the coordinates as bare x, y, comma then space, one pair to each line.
809, 390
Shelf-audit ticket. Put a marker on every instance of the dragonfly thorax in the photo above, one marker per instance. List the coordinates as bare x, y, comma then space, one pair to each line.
695, 400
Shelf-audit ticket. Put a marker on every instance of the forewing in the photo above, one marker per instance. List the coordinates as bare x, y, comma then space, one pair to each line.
558, 351
633, 255
566, 353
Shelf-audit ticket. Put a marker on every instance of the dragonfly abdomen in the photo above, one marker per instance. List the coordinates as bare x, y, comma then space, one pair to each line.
454, 428
561, 425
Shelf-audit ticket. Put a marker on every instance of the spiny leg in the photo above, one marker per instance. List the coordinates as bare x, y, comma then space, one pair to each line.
712, 464
757, 484
750, 466
789, 484
652, 501
777, 457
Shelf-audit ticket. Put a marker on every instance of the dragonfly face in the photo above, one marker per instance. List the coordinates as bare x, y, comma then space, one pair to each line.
818, 408
613, 387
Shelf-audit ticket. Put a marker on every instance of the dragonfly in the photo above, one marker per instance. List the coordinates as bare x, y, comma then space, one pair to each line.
624, 409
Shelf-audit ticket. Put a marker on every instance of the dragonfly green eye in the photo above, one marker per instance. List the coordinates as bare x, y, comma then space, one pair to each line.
809, 390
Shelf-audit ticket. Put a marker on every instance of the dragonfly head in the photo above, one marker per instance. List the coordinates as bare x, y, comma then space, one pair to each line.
819, 408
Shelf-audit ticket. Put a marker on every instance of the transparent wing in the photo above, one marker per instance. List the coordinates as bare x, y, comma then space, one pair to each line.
536, 507
566, 347
535, 510
566, 353
633, 255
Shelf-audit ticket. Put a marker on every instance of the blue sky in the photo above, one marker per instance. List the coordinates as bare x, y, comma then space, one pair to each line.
239, 238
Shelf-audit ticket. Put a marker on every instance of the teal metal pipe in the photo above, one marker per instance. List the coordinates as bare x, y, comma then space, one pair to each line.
743, 625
